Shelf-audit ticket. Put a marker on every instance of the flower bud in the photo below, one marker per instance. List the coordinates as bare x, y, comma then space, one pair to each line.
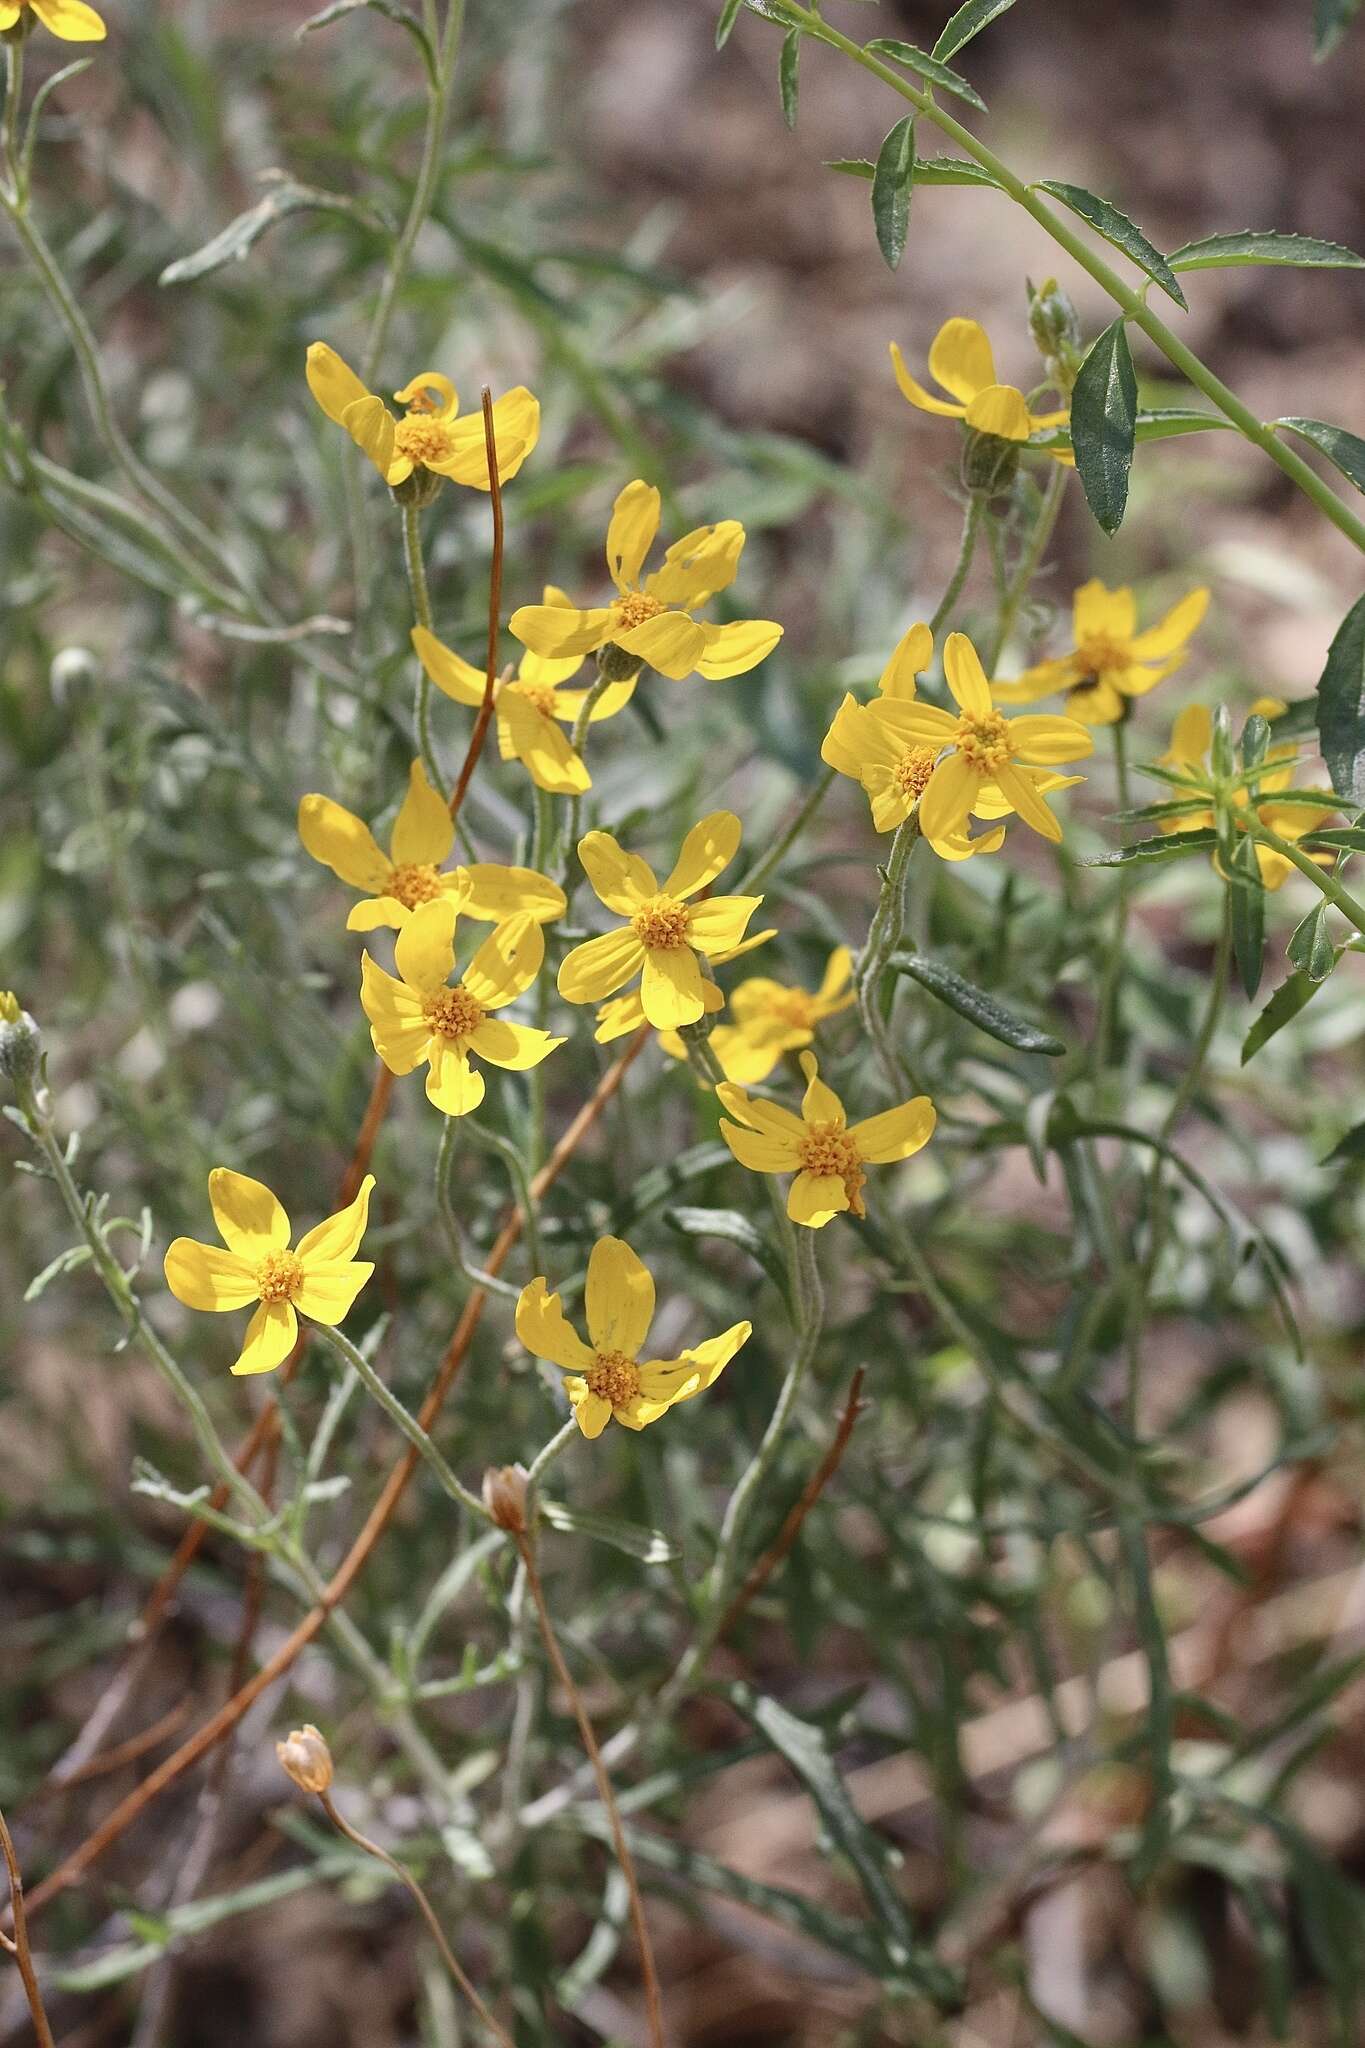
419, 490
306, 1759
1056, 329
504, 1496
617, 664
71, 674
989, 464
21, 1043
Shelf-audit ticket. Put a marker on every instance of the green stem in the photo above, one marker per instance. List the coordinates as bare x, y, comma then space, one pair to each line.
406, 1423
14, 92
1018, 586
421, 606
521, 1186
1349, 906
966, 548
883, 934
1106, 1021
578, 740
1131, 302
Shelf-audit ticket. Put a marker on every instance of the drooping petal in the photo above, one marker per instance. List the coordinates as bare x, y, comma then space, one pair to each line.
630, 533
204, 1277
697, 566
544, 751
748, 1057
710, 846
948, 797
617, 1017
72, 20
844, 746
1018, 785
516, 1046
769, 1117
814, 1198
910, 657
836, 977
251, 1220
557, 630
448, 670
598, 967
960, 847
1000, 410
671, 987
422, 832
270, 1337
717, 925
1169, 634
671, 643
820, 1104
1044, 740
620, 880
453, 1085
423, 384
424, 951
758, 1151
1098, 613
695, 1369
1095, 703
638, 1413
547, 1333
916, 393
333, 383
895, 1133
966, 677
619, 1298
516, 429
506, 963
1191, 738
370, 425
377, 913
891, 805
590, 1411
330, 1287
960, 359
338, 1237
343, 843
398, 1030
1043, 680
498, 893
734, 649
569, 703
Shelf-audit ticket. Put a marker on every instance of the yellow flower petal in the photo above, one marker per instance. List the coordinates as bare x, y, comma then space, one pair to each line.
72, 20
710, 846
377, 912
895, 1133
671, 643
599, 967
569, 703
814, 1198
422, 832
1169, 635
516, 429
697, 566
1095, 703
398, 1030
966, 677
1191, 738
453, 1086
333, 383
546, 1332
515, 1046
506, 963
423, 384
948, 797
677, 1379
1019, 786
717, 925
424, 951
844, 745
916, 393
1043, 680
338, 1237
630, 534
769, 1117
837, 975
250, 1219
330, 1287
343, 843
619, 1297
820, 1104
911, 656
270, 1337
496, 894
671, 987
204, 1277
559, 630
590, 1411
960, 359
1000, 410
1043, 740
620, 1015
620, 880
370, 425
543, 750
734, 649
447, 669
759, 1151
1098, 613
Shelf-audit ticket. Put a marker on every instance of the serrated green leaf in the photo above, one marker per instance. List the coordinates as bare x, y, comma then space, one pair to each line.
1282, 1008
1170, 846
1104, 425
1247, 905
729, 15
232, 243
1310, 948
1341, 705
1124, 234
1341, 839
975, 1004
892, 178
927, 67
968, 22
1331, 19
650, 1546
788, 78
929, 170
1300, 252
1345, 450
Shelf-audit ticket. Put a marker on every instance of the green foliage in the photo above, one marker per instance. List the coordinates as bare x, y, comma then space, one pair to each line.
892, 181
1104, 424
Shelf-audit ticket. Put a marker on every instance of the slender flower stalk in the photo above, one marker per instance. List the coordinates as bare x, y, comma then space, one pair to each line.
17, 1945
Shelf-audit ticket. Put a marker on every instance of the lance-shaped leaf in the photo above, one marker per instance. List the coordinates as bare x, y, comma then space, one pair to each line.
232, 243
929, 170
975, 1004
1299, 252
1170, 846
1247, 906
1117, 229
968, 22
1282, 1008
1310, 948
1341, 705
892, 179
1104, 424
1346, 450
927, 67
788, 74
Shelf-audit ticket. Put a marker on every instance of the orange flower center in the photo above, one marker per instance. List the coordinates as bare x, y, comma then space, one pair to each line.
663, 924
452, 1013
279, 1276
541, 695
416, 883
422, 438
633, 609
913, 770
830, 1149
613, 1377
1099, 654
984, 741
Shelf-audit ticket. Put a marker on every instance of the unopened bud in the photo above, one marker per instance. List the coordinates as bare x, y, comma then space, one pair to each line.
990, 464
617, 664
504, 1496
419, 490
21, 1043
306, 1759
71, 674
1056, 329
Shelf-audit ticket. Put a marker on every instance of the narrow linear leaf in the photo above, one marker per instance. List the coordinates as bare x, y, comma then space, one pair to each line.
1247, 903
1288, 999
1104, 425
1331, 19
729, 15
927, 67
236, 240
1171, 846
929, 170
1341, 705
975, 1004
1345, 450
392, 11
1124, 234
787, 74
892, 177
968, 22
650, 1546
1300, 252
735, 1229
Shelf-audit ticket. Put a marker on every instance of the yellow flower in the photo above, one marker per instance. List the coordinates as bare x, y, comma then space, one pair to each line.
627, 1013
528, 704
72, 20
773, 1017
320, 1278
431, 434
417, 1017
1111, 661
664, 933
960, 360
895, 748
825, 1152
652, 620
1191, 744
607, 1376
410, 874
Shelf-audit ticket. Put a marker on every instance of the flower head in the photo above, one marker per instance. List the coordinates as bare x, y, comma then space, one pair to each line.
607, 1376
627, 1013
1190, 750
398, 882
417, 1016
1111, 661
528, 704
914, 759
825, 1152
71, 20
664, 933
651, 620
432, 434
960, 359
320, 1278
